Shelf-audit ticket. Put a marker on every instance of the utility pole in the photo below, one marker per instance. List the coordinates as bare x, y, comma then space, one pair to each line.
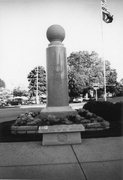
37, 97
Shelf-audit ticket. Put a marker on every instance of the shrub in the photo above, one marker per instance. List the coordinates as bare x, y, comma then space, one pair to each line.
119, 111
107, 110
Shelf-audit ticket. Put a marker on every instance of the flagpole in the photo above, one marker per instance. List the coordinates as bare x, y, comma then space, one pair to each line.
104, 64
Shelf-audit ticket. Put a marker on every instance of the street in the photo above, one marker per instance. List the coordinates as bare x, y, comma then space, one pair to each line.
11, 113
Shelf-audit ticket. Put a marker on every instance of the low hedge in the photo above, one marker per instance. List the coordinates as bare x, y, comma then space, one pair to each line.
112, 112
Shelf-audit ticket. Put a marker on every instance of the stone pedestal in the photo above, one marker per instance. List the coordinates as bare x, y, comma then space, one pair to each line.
61, 134
61, 138
57, 82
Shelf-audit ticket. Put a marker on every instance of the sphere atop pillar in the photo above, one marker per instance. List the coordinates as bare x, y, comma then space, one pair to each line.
55, 33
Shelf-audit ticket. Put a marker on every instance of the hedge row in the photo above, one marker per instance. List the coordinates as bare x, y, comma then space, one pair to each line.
109, 111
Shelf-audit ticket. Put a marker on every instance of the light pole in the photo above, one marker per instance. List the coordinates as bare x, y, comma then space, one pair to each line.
37, 97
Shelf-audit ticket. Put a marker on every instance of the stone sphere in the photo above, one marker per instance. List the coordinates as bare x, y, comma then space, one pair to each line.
55, 33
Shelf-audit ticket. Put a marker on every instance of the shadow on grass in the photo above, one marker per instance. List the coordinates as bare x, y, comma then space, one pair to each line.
6, 136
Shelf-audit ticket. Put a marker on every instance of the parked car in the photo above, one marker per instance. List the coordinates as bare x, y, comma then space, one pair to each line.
2, 103
78, 100
14, 102
31, 101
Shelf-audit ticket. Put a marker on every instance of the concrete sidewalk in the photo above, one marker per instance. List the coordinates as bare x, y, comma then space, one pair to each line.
94, 159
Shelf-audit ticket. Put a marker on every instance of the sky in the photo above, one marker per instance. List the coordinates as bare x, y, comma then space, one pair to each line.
23, 26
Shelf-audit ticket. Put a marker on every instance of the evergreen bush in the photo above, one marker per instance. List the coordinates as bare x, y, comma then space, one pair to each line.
109, 111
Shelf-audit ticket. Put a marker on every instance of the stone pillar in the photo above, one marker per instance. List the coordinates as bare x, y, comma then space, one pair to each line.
57, 82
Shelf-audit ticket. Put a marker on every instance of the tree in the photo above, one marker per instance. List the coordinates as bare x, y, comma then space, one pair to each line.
74, 84
32, 78
2, 83
19, 92
121, 82
118, 88
111, 75
85, 69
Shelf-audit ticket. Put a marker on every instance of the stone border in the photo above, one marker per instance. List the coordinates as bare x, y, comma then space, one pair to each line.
24, 129
43, 129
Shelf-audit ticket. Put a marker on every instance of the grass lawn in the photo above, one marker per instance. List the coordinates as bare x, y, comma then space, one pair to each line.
8, 114
113, 100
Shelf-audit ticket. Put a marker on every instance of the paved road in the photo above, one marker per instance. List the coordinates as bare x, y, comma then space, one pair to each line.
9, 114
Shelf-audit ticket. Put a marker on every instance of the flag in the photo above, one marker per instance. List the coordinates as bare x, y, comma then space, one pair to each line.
106, 15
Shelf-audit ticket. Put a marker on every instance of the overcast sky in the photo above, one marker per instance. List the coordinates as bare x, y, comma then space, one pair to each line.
23, 26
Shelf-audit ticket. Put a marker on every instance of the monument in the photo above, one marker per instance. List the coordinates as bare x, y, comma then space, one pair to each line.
57, 81
57, 93
64, 132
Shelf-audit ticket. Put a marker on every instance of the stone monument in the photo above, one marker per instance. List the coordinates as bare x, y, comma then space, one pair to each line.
57, 81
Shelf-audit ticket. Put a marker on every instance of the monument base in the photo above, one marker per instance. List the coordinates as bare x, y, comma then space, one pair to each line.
59, 111
61, 138
61, 134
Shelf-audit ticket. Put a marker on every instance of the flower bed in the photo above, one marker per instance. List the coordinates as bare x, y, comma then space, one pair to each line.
89, 120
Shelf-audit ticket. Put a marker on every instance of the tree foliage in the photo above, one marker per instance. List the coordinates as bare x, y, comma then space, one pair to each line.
2, 83
111, 75
19, 92
32, 79
85, 69
121, 82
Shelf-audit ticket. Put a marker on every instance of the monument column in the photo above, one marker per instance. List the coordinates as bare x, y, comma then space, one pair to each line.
57, 82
